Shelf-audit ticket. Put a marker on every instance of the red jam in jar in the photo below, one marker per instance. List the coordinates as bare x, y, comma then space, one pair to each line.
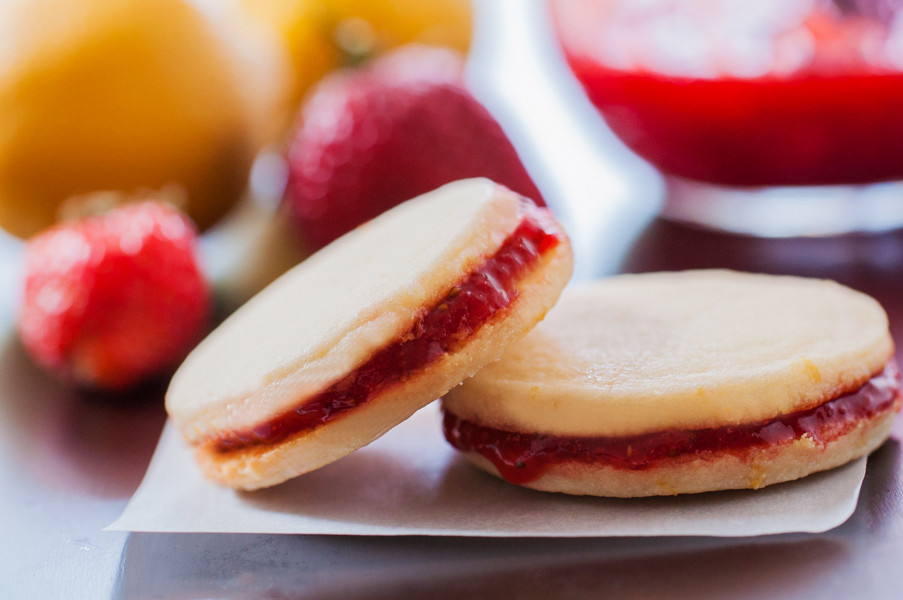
522, 458
765, 93
468, 306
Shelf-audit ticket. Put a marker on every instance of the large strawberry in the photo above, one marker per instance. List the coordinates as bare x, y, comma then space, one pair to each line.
114, 299
369, 139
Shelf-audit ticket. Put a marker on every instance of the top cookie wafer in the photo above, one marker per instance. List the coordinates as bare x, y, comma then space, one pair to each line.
639, 353
312, 330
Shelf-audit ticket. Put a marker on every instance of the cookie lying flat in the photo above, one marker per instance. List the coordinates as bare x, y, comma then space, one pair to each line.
361, 335
667, 383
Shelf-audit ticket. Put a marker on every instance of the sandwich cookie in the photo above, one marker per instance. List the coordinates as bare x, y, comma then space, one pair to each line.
668, 383
361, 335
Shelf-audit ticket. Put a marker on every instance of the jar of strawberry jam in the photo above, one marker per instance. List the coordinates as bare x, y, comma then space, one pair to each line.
773, 117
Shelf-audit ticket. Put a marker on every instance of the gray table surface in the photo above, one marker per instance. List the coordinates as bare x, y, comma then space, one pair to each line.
69, 462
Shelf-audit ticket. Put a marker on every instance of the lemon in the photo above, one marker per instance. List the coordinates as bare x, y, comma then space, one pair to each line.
324, 34
116, 95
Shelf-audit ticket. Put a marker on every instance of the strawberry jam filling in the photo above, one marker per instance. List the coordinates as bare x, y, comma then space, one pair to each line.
439, 331
522, 458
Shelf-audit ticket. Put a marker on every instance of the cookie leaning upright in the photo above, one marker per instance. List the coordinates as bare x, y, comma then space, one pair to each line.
669, 383
376, 325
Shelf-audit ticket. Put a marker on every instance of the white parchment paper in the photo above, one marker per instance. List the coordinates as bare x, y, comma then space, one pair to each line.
411, 482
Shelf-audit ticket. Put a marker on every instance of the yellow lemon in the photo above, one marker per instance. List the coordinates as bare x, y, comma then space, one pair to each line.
116, 94
324, 34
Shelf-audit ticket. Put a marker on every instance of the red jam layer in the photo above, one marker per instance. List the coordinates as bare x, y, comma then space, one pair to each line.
808, 130
522, 458
465, 308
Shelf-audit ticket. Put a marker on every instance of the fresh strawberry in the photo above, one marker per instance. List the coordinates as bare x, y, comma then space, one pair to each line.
370, 139
114, 299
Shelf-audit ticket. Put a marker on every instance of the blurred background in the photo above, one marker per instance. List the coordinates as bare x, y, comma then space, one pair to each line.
163, 160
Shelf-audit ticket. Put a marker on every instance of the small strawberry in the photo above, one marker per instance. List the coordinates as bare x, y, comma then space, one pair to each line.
370, 139
115, 299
